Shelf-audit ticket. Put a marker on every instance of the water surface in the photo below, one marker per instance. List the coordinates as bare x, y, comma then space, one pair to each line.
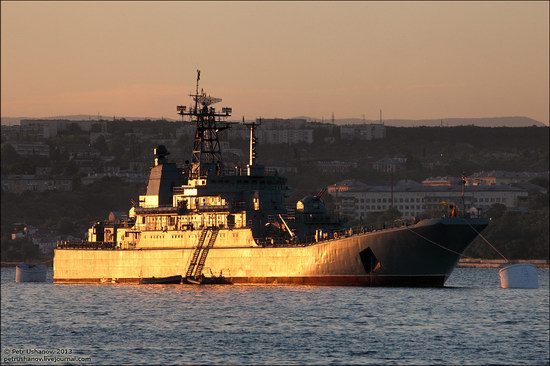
472, 321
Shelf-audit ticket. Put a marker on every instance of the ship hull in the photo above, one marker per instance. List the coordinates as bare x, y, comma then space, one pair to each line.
417, 256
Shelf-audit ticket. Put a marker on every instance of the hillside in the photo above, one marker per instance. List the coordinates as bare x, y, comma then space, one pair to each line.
430, 151
10, 121
452, 122
447, 122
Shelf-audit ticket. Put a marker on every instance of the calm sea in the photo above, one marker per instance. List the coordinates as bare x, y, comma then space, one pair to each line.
472, 321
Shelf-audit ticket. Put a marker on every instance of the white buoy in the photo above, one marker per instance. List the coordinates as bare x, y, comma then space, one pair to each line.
519, 276
30, 273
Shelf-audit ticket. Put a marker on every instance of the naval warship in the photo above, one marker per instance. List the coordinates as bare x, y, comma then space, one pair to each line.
203, 223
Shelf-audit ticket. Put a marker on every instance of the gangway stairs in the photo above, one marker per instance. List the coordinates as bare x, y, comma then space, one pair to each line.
194, 272
196, 254
204, 254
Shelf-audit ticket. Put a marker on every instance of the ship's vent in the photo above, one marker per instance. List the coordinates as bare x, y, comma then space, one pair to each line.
369, 260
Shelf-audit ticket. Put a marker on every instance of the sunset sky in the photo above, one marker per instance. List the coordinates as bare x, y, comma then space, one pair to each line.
414, 60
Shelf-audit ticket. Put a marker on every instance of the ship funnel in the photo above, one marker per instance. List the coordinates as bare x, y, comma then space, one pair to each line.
160, 154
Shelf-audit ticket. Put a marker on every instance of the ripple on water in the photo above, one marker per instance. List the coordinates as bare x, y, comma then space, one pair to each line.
472, 322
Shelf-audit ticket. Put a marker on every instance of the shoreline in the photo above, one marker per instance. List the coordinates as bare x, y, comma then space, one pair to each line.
498, 263
45, 262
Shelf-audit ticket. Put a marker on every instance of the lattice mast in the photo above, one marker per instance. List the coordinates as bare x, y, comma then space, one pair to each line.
207, 156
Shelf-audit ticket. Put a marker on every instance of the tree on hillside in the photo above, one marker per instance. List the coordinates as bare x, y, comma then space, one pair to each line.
66, 226
117, 145
378, 219
537, 200
540, 181
516, 235
495, 211
9, 155
101, 145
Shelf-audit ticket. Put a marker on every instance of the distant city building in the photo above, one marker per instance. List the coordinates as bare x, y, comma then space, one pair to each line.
441, 181
10, 133
347, 185
335, 166
284, 131
502, 177
366, 132
125, 176
15, 183
279, 123
276, 131
43, 170
138, 166
95, 135
31, 149
233, 155
82, 152
82, 125
89, 169
111, 169
285, 136
280, 169
47, 128
38, 129
388, 165
159, 141
430, 165
185, 131
355, 199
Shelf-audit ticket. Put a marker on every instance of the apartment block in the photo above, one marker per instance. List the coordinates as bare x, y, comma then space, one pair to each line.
366, 132
412, 199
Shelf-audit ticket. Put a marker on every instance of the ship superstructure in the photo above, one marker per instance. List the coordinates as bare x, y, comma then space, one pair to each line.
232, 220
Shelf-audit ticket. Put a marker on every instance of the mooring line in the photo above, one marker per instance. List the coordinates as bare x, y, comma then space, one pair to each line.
487, 241
439, 245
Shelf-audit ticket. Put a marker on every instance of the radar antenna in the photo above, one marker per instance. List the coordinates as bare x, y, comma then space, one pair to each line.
207, 156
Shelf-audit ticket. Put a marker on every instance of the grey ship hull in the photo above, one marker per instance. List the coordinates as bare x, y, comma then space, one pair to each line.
421, 255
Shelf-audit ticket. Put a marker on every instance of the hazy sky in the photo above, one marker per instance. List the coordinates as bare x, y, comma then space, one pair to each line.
414, 60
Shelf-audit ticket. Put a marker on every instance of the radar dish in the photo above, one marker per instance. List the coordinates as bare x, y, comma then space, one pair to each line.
208, 100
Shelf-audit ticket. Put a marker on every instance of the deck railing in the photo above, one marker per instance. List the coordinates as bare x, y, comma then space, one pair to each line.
81, 244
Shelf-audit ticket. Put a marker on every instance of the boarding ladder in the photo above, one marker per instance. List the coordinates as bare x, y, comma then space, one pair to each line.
200, 254
196, 254
206, 250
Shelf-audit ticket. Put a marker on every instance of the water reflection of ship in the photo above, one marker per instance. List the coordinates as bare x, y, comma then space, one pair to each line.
235, 221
